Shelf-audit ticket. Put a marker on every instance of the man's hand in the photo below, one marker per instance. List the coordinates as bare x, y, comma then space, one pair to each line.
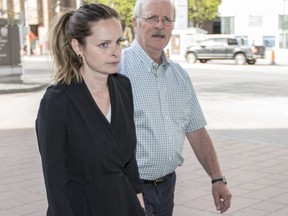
222, 196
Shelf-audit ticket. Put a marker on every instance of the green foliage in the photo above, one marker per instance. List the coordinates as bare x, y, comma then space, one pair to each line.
123, 7
202, 10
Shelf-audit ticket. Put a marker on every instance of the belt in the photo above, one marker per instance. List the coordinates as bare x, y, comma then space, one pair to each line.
157, 181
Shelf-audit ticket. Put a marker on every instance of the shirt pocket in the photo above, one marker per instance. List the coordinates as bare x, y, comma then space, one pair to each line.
181, 109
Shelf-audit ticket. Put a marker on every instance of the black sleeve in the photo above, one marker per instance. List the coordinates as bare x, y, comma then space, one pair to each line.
133, 175
51, 136
132, 166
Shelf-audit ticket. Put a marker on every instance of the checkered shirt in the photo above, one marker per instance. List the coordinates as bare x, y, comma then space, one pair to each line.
165, 109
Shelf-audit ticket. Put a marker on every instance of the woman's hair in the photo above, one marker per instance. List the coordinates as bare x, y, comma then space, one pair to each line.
73, 25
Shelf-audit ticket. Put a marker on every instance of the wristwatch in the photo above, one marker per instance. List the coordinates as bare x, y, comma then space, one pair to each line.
221, 179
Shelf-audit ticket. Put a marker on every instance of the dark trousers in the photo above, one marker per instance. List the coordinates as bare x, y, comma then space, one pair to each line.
159, 199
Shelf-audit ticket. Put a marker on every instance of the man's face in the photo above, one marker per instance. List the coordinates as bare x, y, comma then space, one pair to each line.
154, 36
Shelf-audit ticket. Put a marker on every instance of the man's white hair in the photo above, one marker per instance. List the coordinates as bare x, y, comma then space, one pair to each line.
138, 5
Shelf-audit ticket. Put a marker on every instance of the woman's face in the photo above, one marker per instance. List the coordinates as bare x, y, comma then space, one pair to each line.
102, 52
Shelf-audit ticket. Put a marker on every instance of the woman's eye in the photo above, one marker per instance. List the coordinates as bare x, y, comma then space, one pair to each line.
103, 45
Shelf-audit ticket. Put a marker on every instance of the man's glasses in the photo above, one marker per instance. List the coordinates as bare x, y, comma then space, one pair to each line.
153, 19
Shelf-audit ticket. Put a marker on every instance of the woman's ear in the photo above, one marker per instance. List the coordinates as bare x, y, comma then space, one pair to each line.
76, 47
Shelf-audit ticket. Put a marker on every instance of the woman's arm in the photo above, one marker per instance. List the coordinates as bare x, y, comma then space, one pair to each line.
51, 136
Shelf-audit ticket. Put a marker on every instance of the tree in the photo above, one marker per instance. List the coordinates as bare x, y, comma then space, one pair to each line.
123, 7
202, 10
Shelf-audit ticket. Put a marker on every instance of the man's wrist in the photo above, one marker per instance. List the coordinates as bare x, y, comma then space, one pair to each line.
220, 179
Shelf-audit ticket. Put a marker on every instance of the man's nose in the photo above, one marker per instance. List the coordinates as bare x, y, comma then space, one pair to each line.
160, 24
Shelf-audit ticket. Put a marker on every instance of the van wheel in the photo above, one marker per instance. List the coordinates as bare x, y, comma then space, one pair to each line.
240, 59
251, 62
191, 58
203, 60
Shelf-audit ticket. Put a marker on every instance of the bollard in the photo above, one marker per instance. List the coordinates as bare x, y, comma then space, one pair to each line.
272, 57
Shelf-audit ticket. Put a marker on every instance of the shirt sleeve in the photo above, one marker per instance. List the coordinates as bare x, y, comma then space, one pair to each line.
51, 136
197, 119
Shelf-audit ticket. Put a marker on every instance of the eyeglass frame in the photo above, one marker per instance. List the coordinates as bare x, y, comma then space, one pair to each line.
166, 21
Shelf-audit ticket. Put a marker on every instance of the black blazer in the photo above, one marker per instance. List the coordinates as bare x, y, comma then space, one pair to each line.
89, 164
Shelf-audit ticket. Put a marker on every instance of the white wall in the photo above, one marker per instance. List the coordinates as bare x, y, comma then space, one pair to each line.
181, 14
242, 10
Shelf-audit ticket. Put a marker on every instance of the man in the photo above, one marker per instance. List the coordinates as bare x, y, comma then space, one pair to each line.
165, 111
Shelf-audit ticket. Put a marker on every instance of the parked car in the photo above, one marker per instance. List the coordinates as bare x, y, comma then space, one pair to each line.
224, 48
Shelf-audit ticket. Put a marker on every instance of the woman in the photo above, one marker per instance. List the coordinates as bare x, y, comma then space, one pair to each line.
85, 127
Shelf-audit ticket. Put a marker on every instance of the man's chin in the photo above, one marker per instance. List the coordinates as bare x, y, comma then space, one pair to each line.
160, 42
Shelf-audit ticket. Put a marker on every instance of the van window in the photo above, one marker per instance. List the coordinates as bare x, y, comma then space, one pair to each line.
232, 41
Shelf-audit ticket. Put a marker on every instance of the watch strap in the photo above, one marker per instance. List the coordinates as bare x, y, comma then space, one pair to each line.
221, 179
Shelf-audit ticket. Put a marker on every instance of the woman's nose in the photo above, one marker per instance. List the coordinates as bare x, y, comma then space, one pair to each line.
115, 50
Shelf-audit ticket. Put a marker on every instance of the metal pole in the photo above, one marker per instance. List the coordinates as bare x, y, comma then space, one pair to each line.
28, 45
283, 26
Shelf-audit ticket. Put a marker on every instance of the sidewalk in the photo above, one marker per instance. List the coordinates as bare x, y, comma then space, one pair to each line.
257, 177
256, 171
36, 75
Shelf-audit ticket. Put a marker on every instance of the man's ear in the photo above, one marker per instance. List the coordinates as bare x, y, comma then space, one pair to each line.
135, 25
75, 46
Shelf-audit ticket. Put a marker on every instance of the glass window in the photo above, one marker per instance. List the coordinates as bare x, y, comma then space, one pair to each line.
283, 40
232, 41
283, 22
227, 25
242, 40
269, 41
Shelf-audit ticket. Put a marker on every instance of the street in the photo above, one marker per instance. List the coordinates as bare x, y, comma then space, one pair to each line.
246, 108
245, 102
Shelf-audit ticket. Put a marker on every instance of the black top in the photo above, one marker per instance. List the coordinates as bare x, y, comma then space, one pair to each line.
88, 163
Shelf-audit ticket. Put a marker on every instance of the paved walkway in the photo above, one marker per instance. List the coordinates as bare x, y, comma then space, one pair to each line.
256, 171
257, 175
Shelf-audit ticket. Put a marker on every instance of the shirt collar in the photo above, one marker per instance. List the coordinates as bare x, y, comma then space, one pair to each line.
148, 62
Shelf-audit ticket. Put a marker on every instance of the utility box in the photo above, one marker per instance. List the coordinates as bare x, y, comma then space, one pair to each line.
9, 45
10, 60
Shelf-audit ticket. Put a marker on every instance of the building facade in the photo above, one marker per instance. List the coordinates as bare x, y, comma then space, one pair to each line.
252, 21
256, 21
33, 18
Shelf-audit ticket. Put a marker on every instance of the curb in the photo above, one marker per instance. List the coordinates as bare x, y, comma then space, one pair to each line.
25, 88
